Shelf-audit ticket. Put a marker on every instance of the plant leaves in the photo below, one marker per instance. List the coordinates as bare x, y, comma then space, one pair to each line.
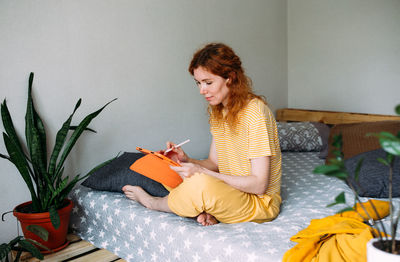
392, 146
20, 162
36, 141
29, 122
324, 169
382, 161
76, 134
345, 210
339, 199
39, 231
54, 217
86, 129
389, 142
5, 157
15, 241
397, 109
60, 141
4, 250
25, 244
336, 162
358, 168
9, 126
99, 166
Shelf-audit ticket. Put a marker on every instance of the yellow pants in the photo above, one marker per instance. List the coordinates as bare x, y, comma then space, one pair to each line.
202, 193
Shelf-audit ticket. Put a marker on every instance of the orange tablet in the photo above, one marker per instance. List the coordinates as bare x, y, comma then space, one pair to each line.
156, 166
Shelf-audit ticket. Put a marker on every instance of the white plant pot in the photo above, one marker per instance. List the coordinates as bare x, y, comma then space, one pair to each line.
376, 255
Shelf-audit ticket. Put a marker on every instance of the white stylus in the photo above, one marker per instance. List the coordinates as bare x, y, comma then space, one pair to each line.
176, 146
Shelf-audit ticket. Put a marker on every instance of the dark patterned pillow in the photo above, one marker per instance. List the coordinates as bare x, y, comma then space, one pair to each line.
299, 137
373, 179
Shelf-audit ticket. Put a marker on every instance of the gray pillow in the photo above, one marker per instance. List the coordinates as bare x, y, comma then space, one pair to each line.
373, 178
323, 130
116, 174
299, 137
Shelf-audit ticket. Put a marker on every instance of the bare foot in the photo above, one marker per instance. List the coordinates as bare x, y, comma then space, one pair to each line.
206, 219
137, 194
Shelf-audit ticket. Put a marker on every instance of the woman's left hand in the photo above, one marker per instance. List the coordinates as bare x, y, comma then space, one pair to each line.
187, 169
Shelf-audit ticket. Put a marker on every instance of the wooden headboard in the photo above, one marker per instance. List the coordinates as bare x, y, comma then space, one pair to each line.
329, 117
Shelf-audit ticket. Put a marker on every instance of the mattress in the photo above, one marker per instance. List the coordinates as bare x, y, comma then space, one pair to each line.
109, 220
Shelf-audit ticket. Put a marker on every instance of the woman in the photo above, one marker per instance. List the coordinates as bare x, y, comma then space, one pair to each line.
240, 179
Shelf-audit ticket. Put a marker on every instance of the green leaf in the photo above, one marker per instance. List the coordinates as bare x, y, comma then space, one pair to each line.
397, 109
64, 193
336, 162
36, 138
331, 204
9, 126
29, 122
383, 161
86, 129
338, 174
338, 154
339, 199
60, 141
345, 209
389, 142
25, 244
4, 250
99, 166
5, 157
56, 195
392, 146
39, 231
20, 162
338, 141
324, 169
54, 217
358, 168
76, 134
15, 241
34, 242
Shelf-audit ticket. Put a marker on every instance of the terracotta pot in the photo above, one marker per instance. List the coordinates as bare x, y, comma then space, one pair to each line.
57, 237
375, 254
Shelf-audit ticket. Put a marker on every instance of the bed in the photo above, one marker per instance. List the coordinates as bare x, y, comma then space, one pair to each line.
111, 221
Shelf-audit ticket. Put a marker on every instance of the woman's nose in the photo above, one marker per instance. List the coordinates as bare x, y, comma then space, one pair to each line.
203, 89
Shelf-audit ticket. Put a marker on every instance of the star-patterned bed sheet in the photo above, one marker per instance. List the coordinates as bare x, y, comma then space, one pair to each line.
109, 220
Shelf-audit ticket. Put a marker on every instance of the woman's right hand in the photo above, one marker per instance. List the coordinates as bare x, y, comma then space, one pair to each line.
176, 154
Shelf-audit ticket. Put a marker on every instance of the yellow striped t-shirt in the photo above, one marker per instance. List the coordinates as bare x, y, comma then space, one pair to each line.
255, 135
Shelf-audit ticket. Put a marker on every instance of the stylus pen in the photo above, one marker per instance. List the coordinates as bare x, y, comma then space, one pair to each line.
178, 145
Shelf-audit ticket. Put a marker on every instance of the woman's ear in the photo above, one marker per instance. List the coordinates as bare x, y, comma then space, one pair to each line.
231, 77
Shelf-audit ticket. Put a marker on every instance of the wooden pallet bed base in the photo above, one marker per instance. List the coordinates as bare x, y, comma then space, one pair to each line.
329, 117
77, 251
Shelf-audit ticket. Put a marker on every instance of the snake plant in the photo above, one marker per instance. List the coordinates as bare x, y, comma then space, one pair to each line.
42, 171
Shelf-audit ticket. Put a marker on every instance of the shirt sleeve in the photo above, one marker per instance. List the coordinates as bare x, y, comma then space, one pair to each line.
259, 145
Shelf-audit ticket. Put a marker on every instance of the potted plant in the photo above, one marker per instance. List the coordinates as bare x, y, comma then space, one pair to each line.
385, 246
45, 218
19, 244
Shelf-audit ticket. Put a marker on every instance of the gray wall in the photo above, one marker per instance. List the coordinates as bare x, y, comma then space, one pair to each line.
138, 52
344, 55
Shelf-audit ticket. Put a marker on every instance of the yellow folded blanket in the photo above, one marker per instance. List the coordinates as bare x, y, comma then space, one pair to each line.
341, 237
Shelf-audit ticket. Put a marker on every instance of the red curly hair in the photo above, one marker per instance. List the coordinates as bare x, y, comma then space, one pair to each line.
219, 59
